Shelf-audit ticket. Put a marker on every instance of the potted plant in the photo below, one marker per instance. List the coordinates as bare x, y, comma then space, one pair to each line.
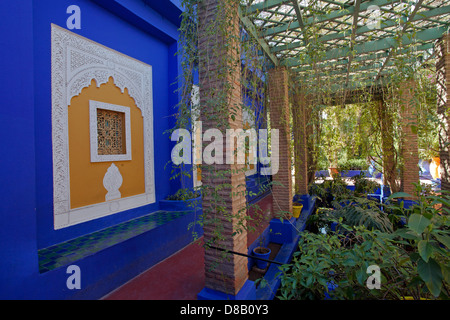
333, 169
297, 209
261, 252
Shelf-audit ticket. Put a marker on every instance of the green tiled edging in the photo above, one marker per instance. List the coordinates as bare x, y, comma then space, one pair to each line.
67, 252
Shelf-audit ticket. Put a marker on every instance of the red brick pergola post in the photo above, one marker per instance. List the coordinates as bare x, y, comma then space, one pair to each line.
410, 151
279, 119
443, 104
300, 143
224, 199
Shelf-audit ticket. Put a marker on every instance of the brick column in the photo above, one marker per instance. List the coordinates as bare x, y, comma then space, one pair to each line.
279, 119
443, 102
220, 97
300, 146
410, 152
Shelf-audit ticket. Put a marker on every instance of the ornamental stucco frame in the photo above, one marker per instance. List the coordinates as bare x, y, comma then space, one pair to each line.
75, 62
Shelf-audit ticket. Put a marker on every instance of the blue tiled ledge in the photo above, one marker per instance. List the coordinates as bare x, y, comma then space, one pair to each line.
67, 252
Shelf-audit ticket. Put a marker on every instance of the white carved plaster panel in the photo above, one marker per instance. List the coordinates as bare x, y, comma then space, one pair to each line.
76, 61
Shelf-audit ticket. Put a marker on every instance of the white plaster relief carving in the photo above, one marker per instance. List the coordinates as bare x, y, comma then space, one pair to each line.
112, 181
76, 61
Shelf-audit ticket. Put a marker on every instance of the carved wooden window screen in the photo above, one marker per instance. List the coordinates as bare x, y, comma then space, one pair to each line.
111, 132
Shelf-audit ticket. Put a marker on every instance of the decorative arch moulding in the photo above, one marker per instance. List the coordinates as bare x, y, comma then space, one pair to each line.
75, 62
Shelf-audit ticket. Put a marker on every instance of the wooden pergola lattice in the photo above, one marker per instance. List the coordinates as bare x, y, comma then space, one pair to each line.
354, 43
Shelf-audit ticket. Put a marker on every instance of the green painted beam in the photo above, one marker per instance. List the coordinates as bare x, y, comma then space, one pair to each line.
368, 67
354, 85
405, 26
268, 4
352, 38
300, 19
339, 78
371, 46
368, 57
331, 16
343, 5
249, 26
365, 29
261, 6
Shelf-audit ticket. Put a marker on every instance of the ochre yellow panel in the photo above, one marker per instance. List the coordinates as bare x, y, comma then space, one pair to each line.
86, 177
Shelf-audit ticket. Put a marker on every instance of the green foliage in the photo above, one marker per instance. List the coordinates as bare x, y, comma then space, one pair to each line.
364, 186
184, 194
352, 164
329, 190
413, 259
359, 211
342, 259
320, 220
427, 117
322, 164
347, 136
427, 234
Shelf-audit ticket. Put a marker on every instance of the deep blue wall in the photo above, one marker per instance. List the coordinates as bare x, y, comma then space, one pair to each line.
104, 27
131, 27
18, 248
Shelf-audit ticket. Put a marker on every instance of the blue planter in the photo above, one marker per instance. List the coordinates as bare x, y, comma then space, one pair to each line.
351, 188
180, 205
407, 203
350, 173
323, 173
334, 226
282, 232
259, 263
331, 287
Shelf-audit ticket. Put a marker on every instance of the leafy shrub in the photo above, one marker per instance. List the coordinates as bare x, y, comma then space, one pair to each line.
352, 164
427, 237
321, 219
323, 164
364, 186
329, 190
363, 212
326, 260
413, 259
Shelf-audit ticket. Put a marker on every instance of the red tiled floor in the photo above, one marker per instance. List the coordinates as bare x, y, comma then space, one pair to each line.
181, 276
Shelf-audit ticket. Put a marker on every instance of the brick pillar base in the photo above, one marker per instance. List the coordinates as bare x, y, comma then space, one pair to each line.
443, 102
300, 147
410, 151
224, 199
279, 119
